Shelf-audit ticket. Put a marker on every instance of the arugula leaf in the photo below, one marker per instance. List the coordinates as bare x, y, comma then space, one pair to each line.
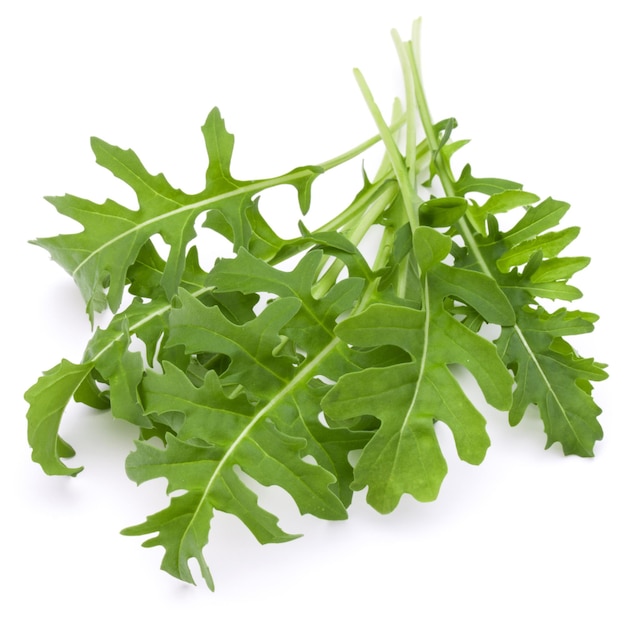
98, 258
48, 398
551, 375
490, 186
301, 363
409, 397
548, 372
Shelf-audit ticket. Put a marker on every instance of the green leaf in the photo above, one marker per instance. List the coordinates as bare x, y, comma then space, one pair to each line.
559, 269
219, 434
403, 455
553, 379
98, 257
48, 398
284, 390
123, 374
500, 202
550, 244
507, 200
536, 221
439, 212
183, 527
318, 364
431, 247
312, 326
548, 373
180, 528
490, 186
205, 329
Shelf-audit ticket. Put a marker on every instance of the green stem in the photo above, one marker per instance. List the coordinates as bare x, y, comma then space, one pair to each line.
441, 161
366, 221
367, 208
355, 210
411, 131
357, 150
407, 188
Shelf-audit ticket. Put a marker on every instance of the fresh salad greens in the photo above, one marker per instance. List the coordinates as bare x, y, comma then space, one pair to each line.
343, 377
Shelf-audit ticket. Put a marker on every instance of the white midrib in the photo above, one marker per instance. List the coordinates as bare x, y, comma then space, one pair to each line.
303, 375
144, 320
540, 370
471, 242
194, 206
422, 368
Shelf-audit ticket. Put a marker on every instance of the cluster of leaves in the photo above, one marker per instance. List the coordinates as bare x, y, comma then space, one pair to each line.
291, 358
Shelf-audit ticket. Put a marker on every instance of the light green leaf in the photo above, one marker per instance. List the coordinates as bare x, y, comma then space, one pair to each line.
536, 221
490, 186
562, 268
48, 399
182, 529
550, 244
548, 373
553, 379
499, 203
283, 390
98, 258
403, 455
218, 435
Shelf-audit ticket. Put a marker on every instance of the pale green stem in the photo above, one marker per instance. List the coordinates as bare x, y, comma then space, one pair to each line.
357, 150
411, 131
364, 212
401, 281
367, 220
442, 163
355, 210
407, 189
424, 113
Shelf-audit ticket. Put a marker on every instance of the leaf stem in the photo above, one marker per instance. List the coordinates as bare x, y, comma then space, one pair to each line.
357, 150
424, 112
407, 188
353, 213
411, 131
367, 220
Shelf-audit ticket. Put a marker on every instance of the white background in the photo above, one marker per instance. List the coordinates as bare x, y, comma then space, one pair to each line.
527, 537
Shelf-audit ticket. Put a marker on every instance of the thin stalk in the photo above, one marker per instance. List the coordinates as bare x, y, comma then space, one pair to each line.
402, 277
367, 209
411, 131
355, 210
407, 189
442, 163
424, 113
367, 220
357, 150
382, 177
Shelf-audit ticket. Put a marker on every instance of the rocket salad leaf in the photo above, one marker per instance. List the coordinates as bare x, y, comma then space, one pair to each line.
297, 362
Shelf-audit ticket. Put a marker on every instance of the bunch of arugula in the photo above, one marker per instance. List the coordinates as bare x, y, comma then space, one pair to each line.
346, 359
